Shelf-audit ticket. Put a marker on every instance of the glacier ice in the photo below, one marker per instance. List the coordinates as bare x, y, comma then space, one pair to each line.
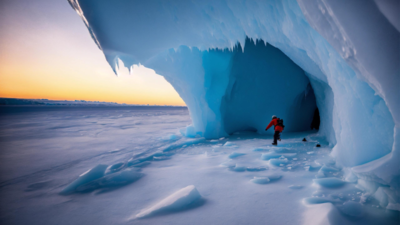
180, 200
141, 164
381, 197
266, 179
228, 164
261, 149
90, 175
274, 177
271, 155
114, 180
102, 177
226, 59
255, 169
330, 182
235, 155
278, 162
237, 168
320, 200
354, 209
229, 144
295, 186
260, 180
329, 169
115, 168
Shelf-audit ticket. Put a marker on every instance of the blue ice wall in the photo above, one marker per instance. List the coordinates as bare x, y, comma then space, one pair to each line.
144, 31
239, 89
349, 53
263, 82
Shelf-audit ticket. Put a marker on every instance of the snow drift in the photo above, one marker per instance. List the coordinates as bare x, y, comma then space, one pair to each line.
180, 200
338, 55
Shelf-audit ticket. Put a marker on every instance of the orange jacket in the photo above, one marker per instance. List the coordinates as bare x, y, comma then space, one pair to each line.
275, 123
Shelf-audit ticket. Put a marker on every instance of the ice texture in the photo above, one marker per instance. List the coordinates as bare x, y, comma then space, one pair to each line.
100, 177
235, 155
260, 180
238, 168
179, 200
353, 209
320, 200
229, 194
330, 182
111, 181
266, 179
271, 155
381, 196
90, 175
230, 61
295, 186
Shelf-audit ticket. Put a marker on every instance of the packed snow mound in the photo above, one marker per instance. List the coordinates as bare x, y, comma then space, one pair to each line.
337, 55
179, 200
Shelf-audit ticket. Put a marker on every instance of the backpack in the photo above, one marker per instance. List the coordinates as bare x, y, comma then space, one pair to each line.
280, 123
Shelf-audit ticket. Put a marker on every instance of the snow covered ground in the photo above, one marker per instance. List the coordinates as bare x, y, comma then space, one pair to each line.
140, 170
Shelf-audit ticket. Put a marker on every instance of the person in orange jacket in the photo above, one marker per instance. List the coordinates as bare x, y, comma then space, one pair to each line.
278, 123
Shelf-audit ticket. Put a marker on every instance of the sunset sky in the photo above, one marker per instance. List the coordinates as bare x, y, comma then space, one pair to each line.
47, 52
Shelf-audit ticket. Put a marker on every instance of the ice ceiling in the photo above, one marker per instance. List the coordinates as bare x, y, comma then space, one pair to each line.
339, 55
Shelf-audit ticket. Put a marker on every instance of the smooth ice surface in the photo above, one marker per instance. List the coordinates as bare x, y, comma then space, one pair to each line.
179, 200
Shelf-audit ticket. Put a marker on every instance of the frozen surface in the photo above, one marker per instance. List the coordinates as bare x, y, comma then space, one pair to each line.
234, 62
235, 155
331, 182
88, 176
117, 176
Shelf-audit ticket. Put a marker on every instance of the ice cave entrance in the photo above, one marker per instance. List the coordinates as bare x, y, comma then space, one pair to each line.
263, 81
239, 89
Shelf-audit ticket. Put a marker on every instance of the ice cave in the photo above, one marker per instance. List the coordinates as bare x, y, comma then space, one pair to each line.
236, 63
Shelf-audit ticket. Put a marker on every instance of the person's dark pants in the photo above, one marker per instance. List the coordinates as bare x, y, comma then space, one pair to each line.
277, 136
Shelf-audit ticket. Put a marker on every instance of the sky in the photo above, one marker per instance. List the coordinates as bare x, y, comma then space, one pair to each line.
46, 52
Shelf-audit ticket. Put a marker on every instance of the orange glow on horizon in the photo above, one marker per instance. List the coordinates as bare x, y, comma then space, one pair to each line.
49, 54
142, 87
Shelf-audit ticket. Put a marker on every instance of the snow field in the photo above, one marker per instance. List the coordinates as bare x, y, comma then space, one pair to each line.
218, 182
118, 185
